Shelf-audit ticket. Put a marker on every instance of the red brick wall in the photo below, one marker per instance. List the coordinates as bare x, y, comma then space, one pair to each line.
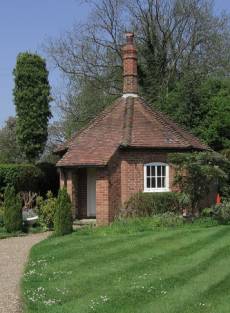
132, 171
102, 197
114, 170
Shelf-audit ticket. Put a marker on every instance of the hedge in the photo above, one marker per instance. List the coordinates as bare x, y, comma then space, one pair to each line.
28, 177
147, 204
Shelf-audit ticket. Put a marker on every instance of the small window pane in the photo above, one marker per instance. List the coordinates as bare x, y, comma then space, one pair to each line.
158, 170
163, 170
163, 182
152, 170
153, 182
148, 182
148, 170
158, 182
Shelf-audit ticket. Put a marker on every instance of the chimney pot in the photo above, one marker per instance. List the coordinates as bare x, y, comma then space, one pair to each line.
129, 37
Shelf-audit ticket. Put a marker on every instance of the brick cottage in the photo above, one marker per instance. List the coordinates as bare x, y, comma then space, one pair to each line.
122, 151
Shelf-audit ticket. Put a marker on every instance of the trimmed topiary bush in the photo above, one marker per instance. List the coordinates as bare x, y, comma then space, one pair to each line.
12, 210
147, 204
63, 219
22, 176
28, 177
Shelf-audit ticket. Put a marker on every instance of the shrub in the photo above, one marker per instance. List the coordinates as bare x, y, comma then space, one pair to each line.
184, 201
207, 212
168, 219
12, 210
1, 216
1, 211
146, 204
197, 172
63, 216
222, 212
46, 209
205, 221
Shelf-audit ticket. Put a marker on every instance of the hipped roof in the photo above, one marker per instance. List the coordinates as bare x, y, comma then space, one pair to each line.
128, 123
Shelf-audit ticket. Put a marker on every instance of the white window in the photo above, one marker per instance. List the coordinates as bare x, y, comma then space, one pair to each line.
156, 177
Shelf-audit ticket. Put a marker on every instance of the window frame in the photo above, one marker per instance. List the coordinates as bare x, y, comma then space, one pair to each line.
156, 189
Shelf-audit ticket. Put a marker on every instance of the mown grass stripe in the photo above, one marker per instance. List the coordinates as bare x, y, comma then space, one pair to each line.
175, 281
183, 263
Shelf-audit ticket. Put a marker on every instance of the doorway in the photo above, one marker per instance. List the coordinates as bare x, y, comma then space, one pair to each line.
91, 192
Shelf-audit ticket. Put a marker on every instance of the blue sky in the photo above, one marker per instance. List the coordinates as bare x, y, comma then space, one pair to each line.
24, 26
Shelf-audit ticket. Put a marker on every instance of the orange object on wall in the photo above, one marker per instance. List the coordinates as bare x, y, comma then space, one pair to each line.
218, 199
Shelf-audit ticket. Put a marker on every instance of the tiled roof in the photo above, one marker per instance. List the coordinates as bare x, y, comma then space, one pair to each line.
129, 122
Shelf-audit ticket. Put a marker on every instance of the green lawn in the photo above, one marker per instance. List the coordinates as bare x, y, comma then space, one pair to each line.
131, 271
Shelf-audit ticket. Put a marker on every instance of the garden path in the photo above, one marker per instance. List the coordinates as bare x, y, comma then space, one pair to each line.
13, 256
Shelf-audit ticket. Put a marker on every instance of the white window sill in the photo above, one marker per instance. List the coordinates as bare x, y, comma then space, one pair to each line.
157, 190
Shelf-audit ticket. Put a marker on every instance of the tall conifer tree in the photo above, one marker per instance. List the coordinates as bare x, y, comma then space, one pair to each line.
31, 98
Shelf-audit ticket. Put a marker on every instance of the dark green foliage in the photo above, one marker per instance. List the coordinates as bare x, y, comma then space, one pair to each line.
9, 148
147, 204
50, 178
222, 212
1, 216
226, 153
219, 212
31, 98
1, 211
27, 177
22, 176
202, 106
203, 171
12, 210
63, 216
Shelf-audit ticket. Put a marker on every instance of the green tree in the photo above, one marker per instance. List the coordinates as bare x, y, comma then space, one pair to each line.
203, 169
31, 98
214, 127
201, 105
9, 148
63, 215
12, 210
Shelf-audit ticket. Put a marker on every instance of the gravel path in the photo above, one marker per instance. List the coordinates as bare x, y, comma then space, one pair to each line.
13, 256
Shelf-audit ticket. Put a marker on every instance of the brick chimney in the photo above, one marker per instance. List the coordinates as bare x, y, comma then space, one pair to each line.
129, 53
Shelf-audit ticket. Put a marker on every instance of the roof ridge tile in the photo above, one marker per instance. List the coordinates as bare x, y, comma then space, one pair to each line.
128, 121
